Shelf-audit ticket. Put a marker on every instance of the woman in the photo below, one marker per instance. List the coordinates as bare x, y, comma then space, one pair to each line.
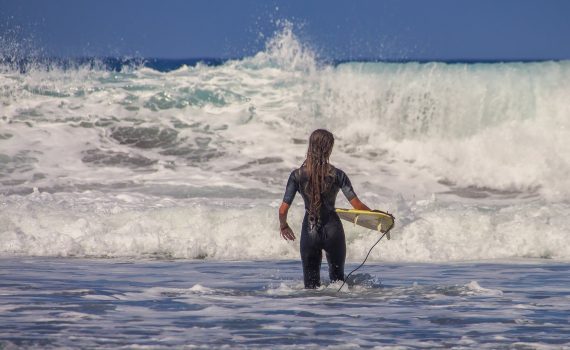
318, 182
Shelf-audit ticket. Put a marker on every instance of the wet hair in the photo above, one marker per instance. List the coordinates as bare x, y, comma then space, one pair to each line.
317, 165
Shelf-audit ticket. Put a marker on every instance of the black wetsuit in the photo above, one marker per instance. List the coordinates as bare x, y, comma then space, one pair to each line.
326, 233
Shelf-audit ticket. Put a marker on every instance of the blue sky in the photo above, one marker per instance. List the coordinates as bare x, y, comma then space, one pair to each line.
389, 29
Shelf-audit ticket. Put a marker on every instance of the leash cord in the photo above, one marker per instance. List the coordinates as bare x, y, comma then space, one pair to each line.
378, 241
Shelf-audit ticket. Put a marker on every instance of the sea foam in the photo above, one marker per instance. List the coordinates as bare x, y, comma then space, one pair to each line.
99, 225
471, 158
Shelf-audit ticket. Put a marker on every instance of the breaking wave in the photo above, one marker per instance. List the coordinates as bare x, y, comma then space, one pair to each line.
191, 163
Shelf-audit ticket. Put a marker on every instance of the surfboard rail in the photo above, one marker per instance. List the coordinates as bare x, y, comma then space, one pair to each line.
372, 219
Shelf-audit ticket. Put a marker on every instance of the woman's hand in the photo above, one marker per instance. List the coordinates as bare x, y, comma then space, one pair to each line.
287, 233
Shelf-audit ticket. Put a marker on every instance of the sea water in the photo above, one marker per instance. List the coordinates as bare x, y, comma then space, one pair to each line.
138, 206
109, 303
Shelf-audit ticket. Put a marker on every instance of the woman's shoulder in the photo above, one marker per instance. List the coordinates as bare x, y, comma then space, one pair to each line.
334, 170
339, 174
303, 171
297, 173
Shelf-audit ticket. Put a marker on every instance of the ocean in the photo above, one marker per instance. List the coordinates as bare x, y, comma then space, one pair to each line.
138, 202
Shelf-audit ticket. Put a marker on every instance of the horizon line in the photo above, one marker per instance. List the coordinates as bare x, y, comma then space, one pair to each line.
363, 59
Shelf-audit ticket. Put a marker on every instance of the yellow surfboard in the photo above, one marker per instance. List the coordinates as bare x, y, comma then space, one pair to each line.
373, 220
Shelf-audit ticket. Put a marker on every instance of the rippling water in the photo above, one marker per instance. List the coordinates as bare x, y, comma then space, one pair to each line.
79, 303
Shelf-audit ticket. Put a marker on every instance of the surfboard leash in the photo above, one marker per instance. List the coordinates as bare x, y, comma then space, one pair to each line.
359, 266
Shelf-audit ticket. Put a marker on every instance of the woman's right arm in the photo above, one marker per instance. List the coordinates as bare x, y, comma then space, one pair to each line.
286, 231
357, 204
290, 192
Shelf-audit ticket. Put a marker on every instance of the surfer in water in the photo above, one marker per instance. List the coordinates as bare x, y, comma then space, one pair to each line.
318, 182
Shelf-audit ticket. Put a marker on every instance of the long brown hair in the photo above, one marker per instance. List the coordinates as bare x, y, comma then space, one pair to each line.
317, 164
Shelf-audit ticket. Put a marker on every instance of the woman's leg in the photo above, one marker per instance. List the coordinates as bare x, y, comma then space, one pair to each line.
311, 256
335, 248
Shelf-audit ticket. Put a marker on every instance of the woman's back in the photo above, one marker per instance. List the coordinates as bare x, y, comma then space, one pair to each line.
335, 180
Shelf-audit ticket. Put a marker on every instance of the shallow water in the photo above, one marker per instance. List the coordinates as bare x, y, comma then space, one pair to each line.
108, 303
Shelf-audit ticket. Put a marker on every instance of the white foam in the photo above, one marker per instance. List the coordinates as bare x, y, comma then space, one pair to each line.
104, 225
472, 159
398, 126
284, 289
199, 289
474, 287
